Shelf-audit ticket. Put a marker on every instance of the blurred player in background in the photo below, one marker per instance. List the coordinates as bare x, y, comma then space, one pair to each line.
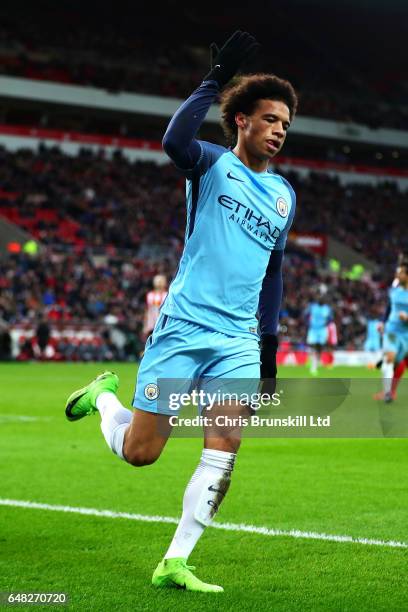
238, 217
399, 368
373, 341
395, 340
319, 315
154, 299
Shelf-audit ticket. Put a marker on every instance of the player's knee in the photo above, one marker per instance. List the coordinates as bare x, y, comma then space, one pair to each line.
141, 454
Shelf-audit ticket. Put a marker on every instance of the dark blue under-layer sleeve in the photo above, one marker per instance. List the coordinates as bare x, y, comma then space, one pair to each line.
179, 140
387, 312
270, 298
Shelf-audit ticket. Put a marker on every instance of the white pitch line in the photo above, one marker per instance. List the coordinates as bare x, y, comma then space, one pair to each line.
146, 518
11, 418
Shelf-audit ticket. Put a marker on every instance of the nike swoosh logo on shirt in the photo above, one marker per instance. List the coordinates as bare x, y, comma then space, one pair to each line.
229, 175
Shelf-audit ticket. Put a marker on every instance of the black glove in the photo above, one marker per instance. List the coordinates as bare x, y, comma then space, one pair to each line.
269, 347
226, 61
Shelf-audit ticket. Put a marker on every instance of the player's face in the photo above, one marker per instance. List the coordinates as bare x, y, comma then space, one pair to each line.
402, 275
159, 282
264, 131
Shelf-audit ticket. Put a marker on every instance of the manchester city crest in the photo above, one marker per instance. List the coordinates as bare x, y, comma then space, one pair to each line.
151, 391
282, 207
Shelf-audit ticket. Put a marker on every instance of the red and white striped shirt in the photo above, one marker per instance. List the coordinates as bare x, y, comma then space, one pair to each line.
154, 299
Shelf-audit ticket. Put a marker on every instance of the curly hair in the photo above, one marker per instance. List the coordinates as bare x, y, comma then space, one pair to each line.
244, 93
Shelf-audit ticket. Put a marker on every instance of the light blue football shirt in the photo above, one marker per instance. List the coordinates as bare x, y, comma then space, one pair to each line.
235, 218
399, 303
373, 335
320, 315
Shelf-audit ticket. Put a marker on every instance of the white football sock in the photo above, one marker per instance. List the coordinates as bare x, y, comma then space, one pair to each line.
314, 361
387, 369
204, 493
115, 420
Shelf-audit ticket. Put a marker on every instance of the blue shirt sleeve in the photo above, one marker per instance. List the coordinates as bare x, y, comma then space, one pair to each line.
179, 142
270, 298
281, 241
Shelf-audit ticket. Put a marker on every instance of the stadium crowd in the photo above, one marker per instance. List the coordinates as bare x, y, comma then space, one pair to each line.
108, 225
92, 54
371, 219
78, 290
93, 201
108, 295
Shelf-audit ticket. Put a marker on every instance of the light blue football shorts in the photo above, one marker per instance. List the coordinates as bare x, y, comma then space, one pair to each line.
181, 356
394, 342
317, 335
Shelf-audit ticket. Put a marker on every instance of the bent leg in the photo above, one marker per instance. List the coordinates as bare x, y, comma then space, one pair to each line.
145, 437
138, 436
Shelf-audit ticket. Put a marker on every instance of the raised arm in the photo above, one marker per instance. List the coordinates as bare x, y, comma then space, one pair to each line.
179, 140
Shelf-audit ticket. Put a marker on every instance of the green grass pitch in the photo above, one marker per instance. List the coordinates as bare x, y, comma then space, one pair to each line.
353, 487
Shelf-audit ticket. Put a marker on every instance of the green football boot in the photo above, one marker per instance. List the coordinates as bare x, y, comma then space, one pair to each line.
175, 573
83, 401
